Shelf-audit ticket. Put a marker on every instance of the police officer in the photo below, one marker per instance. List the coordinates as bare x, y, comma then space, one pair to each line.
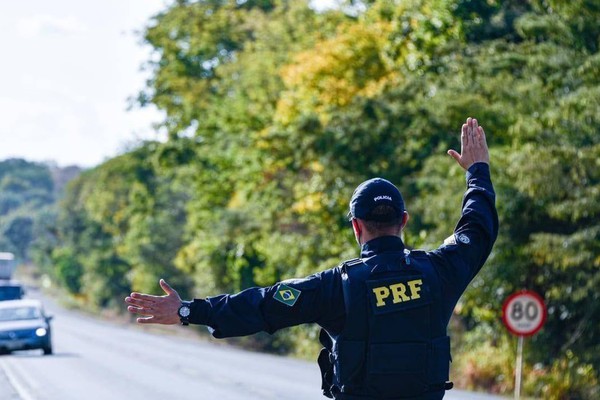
383, 315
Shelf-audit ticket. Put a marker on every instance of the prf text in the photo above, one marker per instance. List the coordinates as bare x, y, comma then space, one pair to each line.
399, 292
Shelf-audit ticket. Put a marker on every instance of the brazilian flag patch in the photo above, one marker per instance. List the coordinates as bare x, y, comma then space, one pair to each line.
286, 295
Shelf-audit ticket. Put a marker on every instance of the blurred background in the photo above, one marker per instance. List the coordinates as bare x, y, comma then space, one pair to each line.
216, 144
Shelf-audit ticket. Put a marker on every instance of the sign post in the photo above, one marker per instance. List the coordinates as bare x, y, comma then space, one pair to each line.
523, 313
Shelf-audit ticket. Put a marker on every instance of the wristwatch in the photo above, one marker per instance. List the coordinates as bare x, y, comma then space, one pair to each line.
184, 312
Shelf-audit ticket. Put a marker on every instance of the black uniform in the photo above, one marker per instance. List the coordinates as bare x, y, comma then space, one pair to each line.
435, 279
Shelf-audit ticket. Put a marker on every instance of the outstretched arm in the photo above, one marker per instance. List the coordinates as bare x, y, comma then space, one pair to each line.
156, 309
473, 146
464, 253
316, 298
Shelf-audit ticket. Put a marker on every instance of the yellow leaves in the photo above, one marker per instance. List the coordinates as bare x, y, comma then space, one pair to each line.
308, 192
236, 201
335, 71
187, 256
316, 166
309, 203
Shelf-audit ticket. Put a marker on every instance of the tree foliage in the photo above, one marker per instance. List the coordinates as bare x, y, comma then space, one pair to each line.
275, 112
25, 189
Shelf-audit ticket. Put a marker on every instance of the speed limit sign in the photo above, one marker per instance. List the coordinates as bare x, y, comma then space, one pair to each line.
524, 313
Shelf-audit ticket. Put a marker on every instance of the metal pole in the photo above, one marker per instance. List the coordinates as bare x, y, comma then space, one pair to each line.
519, 368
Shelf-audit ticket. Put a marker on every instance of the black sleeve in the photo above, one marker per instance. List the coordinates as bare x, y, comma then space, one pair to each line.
463, 254
316, 298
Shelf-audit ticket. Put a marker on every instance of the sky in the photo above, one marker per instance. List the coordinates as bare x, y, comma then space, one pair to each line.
68, 69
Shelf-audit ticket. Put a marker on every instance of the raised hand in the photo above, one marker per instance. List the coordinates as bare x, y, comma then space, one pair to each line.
156, 309
473, 146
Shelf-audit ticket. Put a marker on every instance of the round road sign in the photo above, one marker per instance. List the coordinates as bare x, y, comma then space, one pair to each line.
524, 313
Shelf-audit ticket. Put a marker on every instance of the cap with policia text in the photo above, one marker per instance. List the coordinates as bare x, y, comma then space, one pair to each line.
371, 194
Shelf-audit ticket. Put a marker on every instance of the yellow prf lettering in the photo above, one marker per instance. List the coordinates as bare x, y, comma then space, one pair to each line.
415, 288
399, 292
381, 293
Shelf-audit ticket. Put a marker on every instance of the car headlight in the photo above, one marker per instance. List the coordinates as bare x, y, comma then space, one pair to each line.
41, 332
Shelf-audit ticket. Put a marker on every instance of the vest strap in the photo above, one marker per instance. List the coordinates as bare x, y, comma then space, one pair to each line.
351, 263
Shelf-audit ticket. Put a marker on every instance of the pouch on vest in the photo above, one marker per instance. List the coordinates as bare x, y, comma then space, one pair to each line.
398, 370
325, 364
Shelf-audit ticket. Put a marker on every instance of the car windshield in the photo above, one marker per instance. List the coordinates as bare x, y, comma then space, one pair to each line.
19, 313
10, 292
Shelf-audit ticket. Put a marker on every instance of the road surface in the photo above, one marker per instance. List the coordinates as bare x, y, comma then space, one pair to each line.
96, 359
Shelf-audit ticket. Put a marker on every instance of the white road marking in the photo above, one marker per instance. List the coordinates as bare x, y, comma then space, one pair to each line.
18, 379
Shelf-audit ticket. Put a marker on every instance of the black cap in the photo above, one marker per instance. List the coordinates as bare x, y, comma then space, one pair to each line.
373, 193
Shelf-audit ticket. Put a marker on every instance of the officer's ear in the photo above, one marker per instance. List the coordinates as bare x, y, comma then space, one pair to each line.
356, 227
405, 218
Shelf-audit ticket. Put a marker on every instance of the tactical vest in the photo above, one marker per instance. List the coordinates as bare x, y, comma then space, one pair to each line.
394, 343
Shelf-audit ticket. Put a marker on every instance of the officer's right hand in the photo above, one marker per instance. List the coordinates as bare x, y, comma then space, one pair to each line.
473, 146
155, 309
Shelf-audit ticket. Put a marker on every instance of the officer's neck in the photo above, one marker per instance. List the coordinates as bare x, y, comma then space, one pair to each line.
366, 237
381, 244
363, 235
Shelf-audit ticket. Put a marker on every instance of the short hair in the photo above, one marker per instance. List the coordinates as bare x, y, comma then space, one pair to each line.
382, 218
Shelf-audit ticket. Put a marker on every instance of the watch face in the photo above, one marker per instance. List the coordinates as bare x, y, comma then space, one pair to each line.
184, 311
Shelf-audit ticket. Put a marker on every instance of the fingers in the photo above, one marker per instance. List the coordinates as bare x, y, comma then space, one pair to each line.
476, 137
139, 310
165, 286
146, 320
141, 306
144, 297
154, 320
470, 132
482, 138
138, 302
454, 155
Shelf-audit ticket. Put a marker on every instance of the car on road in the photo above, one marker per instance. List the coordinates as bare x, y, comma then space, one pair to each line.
24, 326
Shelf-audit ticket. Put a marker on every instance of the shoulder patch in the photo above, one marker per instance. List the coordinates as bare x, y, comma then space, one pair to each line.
464, 238
287, 295
455, 239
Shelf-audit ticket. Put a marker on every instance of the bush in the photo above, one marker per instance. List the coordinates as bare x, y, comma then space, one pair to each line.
566, 379
486, 368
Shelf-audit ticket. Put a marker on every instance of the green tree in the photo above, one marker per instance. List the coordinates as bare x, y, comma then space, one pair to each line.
25, 188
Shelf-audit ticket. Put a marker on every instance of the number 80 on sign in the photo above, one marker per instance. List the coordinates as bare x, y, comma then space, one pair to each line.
524, 313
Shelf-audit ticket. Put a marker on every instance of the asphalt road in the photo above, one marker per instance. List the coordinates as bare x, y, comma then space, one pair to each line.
96, 359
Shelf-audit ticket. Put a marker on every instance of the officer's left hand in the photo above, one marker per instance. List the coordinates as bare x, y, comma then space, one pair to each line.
157, 309
474, 146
